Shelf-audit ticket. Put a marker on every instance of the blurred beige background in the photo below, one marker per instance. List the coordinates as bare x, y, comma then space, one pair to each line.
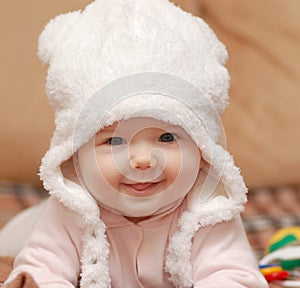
262, 123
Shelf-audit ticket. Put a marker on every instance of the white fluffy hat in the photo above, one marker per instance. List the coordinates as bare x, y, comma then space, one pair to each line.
124, 58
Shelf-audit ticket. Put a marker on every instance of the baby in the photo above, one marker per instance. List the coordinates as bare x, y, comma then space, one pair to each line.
141, 192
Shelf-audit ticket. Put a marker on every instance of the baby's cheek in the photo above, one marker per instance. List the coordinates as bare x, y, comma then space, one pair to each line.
108, 170
174, 166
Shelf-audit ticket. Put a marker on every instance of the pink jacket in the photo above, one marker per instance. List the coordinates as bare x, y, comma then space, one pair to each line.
221, 256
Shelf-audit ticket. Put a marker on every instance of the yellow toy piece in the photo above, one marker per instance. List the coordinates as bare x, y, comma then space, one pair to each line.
285, 238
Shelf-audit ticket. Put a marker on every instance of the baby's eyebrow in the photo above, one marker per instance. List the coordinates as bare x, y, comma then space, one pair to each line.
102, 133
171, 127
108, 128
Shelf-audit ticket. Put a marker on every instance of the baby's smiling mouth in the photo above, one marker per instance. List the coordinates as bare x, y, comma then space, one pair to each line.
141, 186
141, 189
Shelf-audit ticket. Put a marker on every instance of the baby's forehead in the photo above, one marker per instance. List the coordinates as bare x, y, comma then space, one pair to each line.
139, 123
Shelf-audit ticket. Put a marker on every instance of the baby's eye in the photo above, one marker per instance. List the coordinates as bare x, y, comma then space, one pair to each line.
168, 137
116, 141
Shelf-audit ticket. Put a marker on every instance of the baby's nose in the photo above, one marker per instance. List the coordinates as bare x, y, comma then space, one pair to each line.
141, 162
140, 156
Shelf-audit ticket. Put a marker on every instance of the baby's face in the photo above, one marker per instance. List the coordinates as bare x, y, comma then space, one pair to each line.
141, 157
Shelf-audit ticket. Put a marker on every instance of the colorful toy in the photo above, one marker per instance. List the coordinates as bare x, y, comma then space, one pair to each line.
285, 237
282, 257
273, 272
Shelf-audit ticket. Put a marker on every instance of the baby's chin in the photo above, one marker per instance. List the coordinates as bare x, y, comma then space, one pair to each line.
138, 219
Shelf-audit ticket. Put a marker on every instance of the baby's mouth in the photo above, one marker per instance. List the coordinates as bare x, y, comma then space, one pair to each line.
141, 189
141, 186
